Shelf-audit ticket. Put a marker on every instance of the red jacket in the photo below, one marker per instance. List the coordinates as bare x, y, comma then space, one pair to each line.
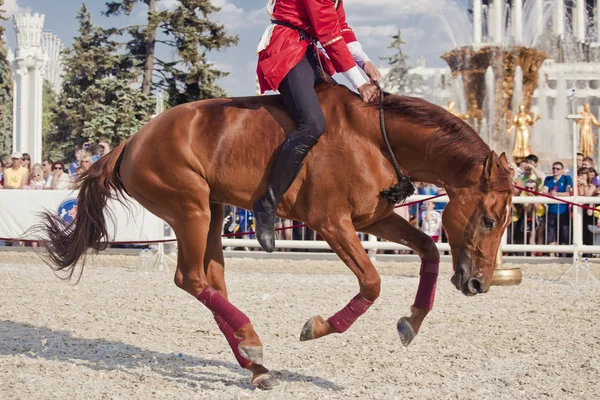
320, 18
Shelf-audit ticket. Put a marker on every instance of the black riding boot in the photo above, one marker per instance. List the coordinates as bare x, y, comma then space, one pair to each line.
287, 166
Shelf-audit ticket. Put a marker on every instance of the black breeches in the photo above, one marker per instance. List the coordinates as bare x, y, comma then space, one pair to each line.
298, 93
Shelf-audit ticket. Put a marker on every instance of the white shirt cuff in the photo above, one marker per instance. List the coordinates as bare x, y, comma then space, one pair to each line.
360, 57
355, 77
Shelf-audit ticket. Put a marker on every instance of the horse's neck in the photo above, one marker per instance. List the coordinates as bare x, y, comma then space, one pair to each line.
440, 170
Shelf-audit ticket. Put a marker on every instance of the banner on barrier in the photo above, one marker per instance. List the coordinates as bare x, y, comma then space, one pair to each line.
21, 209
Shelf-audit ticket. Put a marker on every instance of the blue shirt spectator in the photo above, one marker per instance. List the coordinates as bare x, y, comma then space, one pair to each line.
72, 169
557, 183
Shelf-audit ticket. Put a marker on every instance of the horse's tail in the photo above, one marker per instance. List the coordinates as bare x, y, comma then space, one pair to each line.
67, 242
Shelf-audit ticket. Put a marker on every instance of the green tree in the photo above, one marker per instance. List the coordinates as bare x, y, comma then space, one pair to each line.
98, 98
398, 79
49, 106
6, 108
186, 31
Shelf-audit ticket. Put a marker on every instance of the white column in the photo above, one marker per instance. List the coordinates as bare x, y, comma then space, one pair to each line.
477, 24
16, 91
37, 115
499, 20
517, 17
22, 142
581, 21
559, 18
29, 65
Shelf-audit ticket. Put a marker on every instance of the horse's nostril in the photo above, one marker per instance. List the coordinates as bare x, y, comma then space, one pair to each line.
475, 286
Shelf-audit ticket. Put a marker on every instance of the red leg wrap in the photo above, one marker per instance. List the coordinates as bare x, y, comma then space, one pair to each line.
233, 341
426, 291
343, 319
220, 306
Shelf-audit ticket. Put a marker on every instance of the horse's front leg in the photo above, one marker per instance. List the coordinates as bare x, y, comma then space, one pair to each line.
396, 229
341, 236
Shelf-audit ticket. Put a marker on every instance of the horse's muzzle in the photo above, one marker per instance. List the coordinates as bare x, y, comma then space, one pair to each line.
463, 281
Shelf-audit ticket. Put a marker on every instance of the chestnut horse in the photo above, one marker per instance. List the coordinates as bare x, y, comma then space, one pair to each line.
189, 161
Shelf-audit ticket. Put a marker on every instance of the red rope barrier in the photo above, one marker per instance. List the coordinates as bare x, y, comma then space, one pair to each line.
557, 198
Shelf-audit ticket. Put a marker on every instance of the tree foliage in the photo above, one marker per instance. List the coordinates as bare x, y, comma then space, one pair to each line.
186, 31
398, 79
98, 98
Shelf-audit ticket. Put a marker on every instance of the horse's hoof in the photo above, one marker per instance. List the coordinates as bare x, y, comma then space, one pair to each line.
252, 353
264, 382
406, 331
308, 331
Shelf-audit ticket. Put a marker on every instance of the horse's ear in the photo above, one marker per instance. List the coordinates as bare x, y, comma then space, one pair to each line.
504, 161
488, 167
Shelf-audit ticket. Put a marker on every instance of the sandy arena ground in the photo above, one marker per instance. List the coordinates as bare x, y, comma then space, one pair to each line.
122, 334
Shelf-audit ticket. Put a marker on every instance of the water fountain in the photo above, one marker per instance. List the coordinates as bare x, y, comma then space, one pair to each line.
533, 52
471, 64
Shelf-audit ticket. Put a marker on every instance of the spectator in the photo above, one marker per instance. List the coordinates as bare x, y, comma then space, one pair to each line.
558, 185
102, 149
37, 181
59, 180
522, 165
588, 162
47, 168
593, 176
86, 163
432, 221
529, 175
283, 234
529, 217
26, 161
1, 174
16, 176
572, 172
586, 188
532, 162
75, 164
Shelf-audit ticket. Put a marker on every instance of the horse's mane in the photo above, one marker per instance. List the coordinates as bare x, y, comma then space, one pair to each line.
452, 137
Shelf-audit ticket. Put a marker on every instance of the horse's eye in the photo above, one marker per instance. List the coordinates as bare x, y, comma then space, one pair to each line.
488, 223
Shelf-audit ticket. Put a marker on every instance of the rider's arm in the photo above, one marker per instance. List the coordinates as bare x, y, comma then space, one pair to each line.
360, 57
325, 21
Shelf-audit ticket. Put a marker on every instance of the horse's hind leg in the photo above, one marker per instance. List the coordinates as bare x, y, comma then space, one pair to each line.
396, 229
343, 240
191, 227
214, 267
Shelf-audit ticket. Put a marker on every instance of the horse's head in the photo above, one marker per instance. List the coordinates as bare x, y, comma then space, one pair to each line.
474, 220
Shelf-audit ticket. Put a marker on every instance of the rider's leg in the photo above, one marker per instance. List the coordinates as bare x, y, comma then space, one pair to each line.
298, 93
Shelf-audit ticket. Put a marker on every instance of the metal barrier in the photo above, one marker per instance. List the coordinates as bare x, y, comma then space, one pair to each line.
518, 238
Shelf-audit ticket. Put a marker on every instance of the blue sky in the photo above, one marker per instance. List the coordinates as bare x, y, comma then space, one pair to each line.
374, 21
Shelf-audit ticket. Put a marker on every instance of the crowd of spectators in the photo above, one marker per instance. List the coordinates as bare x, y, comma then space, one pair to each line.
532, 223
553, 223
17, 172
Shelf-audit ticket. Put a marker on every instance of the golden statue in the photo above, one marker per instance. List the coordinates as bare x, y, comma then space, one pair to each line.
453, 111
520, 122
587, 142
474, 115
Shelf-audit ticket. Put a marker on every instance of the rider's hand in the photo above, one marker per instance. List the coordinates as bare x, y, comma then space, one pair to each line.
372, 72
368, 92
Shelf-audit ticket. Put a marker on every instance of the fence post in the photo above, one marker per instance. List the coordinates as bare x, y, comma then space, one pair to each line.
577, 214
373, 251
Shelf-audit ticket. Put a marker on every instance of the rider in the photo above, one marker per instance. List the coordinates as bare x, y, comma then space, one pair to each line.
288, 62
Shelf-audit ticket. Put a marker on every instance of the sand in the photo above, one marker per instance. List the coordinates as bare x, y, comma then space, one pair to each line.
124, 334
